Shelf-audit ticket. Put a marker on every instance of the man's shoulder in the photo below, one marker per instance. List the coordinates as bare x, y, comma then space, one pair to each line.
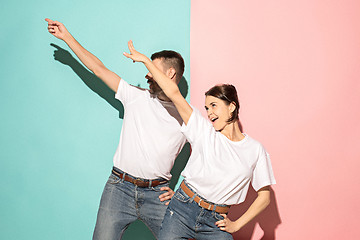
140, 88
137, 90
128, 93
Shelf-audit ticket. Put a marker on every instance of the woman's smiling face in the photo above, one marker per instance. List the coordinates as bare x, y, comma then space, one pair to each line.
218, 112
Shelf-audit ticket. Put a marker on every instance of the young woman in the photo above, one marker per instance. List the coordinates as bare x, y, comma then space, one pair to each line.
224, 161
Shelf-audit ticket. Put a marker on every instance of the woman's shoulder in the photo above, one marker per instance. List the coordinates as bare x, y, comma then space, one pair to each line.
253, 143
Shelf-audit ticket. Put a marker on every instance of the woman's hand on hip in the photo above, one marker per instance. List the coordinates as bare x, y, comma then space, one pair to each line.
227, 225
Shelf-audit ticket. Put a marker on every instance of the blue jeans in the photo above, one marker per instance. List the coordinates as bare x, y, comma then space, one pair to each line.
185, 219
122, 203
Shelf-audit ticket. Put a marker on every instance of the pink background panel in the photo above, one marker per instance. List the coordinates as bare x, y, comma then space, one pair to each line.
296, 65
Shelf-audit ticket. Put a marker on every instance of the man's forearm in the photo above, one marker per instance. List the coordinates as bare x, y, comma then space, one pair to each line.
93, 63
87, 58
58, 30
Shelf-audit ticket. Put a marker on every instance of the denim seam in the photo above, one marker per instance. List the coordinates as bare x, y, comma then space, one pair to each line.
198, 218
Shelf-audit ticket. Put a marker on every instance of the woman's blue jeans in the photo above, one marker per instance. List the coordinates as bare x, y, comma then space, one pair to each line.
122, 203
185, 219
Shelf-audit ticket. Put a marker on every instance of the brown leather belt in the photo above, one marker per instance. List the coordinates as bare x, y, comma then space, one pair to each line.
137, 181
202, 203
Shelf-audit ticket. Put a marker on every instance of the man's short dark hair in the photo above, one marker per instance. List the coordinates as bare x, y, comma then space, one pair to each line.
171, 59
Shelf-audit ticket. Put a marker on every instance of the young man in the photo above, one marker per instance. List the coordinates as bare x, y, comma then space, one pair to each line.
149, 143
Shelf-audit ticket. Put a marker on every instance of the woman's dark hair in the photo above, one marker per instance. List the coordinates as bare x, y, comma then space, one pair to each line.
228, 94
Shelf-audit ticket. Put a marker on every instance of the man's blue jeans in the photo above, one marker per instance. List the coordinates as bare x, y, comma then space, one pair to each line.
122, 203
185, 219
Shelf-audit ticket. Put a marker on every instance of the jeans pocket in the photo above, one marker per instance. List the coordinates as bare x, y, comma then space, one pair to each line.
181, 196
217, 216
158, 187
113, 179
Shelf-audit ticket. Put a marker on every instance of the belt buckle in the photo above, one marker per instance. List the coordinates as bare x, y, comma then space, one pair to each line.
208, 208
136, 181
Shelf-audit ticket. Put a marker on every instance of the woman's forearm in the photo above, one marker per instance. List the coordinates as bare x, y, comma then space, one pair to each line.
260, 203
167, 84
169, 87
171, 90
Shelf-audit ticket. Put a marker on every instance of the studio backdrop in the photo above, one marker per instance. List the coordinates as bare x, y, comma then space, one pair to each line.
295, 65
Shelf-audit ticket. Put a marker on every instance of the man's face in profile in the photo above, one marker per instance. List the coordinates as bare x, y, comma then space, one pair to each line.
153, 86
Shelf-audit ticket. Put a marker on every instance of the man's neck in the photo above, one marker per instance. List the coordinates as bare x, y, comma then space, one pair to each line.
163, 97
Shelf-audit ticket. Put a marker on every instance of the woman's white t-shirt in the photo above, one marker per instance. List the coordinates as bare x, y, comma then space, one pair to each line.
221, 170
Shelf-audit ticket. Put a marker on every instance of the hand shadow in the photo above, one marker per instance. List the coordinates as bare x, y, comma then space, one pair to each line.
90, 79
268, 220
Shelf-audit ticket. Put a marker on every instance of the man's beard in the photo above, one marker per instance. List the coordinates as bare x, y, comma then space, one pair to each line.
154, 87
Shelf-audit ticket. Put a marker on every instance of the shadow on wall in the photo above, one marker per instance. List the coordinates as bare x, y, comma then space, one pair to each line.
136, 230
179, 164
96, 84
92, 81
183, 87
268, 220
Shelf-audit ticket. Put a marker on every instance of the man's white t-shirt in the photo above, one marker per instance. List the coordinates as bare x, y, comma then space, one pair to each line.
150, 138
221, 170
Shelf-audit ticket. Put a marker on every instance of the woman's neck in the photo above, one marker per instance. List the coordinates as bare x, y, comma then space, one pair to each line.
232, 132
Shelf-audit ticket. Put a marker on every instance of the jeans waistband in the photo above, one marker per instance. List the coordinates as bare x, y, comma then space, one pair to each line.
202, 202
140, 182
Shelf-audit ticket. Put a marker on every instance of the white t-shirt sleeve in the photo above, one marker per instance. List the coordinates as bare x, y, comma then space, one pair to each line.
127, 93
263, 174
196, 126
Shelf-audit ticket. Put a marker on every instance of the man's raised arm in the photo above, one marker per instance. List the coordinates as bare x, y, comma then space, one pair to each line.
88, 59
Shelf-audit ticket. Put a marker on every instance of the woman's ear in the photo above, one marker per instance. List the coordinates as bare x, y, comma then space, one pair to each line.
232, 106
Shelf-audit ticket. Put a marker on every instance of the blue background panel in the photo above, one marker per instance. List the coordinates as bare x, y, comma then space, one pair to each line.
59, 126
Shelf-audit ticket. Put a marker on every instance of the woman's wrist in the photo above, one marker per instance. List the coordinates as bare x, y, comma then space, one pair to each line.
146, 60
238, 224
